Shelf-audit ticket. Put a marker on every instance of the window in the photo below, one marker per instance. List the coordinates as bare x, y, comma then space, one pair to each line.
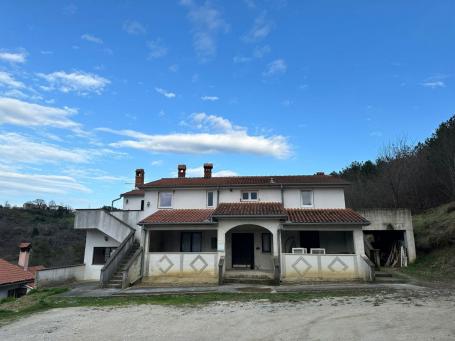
101, 255
165, 200
307, 198
142, 205
191, 242
214, 243
209, 199
249, 196
266, 243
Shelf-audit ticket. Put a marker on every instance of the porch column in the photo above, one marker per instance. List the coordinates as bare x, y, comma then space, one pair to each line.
357, 234
221, 244
276, 251
145, 265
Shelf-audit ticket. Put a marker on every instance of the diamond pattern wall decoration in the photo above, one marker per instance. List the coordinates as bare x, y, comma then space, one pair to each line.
165, 264
301, 266
336, 260
198, 264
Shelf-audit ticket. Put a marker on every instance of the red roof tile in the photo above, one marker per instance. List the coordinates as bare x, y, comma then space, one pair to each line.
134, 192
268, 181
10, 273
250, 209
326, 216
179, 216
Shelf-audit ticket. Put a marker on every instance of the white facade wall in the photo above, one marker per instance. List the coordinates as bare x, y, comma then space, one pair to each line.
132, 202
197, 198
93, 239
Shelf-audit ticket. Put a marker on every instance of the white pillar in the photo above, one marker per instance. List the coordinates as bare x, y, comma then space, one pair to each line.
358, 241
275, 242
410, 245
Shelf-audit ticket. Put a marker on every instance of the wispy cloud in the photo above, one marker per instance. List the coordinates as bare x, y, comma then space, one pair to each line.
156, 49
258, 53
260, 30
434, 84
207, 23
7, 80
92, 38
210, 98
14, 182
165, 93
219, 136
17, 112
133, 27
275, 68
13, 57
77, 81
16, 148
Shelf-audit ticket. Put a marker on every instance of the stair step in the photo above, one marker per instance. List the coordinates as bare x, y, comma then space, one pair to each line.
267, 281
383, 274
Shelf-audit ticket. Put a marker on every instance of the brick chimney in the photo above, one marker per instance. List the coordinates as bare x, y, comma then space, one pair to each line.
139, 177
181, 171
24, 255
208, 170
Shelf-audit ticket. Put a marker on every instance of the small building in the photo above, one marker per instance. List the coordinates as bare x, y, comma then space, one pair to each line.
17, 280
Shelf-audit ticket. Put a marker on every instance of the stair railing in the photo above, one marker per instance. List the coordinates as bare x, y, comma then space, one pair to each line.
115, 259
129, 277
221, 270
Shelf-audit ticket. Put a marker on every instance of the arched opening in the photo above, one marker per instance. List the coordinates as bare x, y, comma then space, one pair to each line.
249, 247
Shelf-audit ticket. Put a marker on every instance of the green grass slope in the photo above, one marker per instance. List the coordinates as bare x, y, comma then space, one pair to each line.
434, 232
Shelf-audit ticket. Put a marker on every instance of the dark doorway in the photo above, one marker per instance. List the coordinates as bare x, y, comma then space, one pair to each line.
243, 250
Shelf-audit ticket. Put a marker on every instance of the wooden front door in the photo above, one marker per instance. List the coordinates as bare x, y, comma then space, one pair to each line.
243, 250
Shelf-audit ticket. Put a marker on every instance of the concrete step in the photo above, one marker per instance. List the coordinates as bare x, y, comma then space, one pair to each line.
383, 274
256, 281
114, 286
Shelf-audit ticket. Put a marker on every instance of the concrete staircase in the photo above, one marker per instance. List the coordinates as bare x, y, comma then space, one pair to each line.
248, 277
116, 280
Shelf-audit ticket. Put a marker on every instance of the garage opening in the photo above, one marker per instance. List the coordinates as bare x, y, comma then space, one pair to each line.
386, 248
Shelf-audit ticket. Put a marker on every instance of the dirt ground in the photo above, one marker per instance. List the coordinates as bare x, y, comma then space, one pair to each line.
395, 316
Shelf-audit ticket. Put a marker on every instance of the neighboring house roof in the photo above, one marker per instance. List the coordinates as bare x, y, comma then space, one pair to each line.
11, 273
250, 209
258, 181
325, 216
179, 216
134, 192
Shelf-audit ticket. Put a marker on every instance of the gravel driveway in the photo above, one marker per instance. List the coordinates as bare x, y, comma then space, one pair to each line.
389, 317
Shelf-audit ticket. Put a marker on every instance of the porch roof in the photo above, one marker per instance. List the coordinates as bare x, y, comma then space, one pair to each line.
179, 216
325, 216
250, 209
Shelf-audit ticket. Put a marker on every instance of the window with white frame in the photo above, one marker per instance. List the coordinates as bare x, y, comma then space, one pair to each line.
307, 198
249, 196
165, 200
210, 202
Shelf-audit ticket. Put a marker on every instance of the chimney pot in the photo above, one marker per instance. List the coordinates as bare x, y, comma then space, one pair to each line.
181, 171
24, 255
139, 177
208, 170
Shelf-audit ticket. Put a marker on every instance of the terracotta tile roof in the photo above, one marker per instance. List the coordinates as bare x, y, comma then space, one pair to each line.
250, 209
179, 216
10, 273
134, 192
268, 181
326, 216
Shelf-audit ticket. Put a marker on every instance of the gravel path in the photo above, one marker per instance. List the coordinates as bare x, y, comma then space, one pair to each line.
389, 317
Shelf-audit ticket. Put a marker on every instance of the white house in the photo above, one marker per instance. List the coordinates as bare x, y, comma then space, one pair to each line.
219, 229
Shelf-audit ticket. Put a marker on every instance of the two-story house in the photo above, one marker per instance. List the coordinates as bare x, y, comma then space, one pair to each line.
216, 229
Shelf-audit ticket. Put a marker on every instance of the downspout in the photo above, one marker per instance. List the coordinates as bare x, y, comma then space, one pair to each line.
282, 194
217, 195
112, 203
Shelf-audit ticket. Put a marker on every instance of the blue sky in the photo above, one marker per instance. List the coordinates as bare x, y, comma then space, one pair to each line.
90, 91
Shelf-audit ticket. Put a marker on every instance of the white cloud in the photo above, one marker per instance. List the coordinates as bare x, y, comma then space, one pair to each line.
261, 51
157, 162
207, 23
165, 93
133, 27
77, 81
210, 98
7, 80
221, 136
13, 57
173, 68
275, 68
91, 38
434, 84
14, 182
241, 59
16, 148
260, 30
156, 49
17, 112
199, 172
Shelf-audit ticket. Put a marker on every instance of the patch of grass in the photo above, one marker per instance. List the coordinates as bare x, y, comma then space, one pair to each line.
438, 265
41, 300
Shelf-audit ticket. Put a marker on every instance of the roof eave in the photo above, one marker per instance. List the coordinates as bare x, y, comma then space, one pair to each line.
327, 223
236, 216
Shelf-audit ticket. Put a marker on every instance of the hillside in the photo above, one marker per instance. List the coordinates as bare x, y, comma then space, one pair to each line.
434, 232
54, 241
